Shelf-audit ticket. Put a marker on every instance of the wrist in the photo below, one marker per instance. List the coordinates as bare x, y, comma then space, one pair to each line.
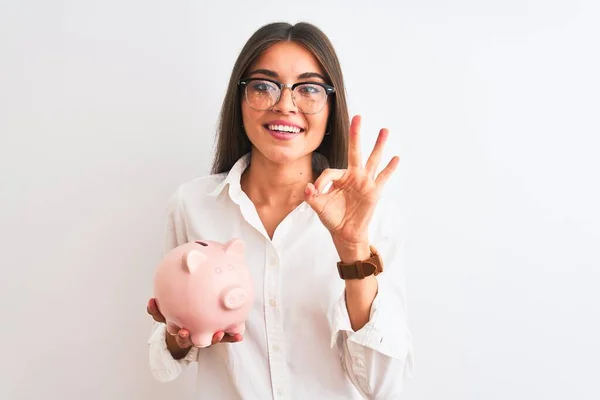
352, 252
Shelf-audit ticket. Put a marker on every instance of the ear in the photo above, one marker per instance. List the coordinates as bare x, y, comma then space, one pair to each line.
193, 259
235, 246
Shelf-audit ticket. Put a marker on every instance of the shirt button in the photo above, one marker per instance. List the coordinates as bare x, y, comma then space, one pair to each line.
273, 303
275, 348
273, 260
279, 392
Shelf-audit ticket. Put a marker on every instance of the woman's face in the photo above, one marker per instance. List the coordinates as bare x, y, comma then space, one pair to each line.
284, 134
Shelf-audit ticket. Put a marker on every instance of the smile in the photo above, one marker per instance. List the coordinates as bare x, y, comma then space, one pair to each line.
284, 128
283, 132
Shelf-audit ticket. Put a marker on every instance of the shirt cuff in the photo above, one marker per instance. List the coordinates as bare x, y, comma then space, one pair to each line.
163, 366
386, 331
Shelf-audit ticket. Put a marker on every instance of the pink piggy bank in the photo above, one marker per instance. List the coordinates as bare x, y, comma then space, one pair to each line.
204, 287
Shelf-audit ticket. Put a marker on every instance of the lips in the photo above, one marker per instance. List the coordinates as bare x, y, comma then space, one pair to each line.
283, 126
282, 135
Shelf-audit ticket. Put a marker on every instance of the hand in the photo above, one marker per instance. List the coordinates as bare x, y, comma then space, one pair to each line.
346, 209
182, 338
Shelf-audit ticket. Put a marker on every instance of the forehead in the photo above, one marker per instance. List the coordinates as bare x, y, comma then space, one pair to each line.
288, 60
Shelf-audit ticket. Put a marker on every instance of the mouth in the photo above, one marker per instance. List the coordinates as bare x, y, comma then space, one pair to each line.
283, 128
283, 132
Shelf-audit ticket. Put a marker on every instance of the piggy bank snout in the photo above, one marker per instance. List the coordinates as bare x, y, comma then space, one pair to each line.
234, 298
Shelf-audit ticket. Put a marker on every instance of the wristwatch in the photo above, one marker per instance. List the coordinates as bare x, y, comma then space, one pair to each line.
362, 268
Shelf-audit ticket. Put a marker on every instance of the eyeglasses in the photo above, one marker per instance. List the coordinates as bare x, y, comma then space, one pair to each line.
263, 94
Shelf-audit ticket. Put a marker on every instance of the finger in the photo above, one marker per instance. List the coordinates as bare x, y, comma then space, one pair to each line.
354, 156
217, 337
309, 191
183, 339
233, 338
326, 177
384, 175
317, 203
152, 309
375, 157
156, 314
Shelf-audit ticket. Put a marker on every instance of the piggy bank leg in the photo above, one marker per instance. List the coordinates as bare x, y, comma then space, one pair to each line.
172, 328
236, 328
202, 339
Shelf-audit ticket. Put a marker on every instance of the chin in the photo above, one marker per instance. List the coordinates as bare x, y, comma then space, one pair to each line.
283, 151
283, 155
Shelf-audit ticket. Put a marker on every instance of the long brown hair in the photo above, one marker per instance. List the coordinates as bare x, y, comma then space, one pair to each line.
232, 142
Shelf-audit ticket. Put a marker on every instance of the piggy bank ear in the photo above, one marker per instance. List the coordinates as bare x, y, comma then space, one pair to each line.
235, 246
193, 259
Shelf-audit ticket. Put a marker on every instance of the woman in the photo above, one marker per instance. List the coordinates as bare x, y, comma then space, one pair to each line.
315, 331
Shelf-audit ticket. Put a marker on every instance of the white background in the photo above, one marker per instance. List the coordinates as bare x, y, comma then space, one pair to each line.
106, 106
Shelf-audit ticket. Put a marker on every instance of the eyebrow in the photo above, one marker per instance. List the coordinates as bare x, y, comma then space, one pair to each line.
274, 74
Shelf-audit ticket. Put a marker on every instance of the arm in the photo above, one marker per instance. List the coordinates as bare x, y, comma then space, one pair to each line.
167, 360
369, 324
164, 366
360, 293
170, 355
178, 345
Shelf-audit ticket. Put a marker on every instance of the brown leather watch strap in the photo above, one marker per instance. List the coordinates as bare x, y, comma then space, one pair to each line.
361, 268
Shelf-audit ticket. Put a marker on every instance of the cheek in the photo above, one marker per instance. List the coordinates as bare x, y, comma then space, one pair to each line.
319, 121
246, 117
249, 115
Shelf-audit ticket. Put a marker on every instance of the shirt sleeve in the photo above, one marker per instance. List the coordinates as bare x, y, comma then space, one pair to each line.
163, 366
379, 357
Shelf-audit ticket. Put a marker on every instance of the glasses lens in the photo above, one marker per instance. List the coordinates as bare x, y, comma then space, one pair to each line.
262, 95
310, 98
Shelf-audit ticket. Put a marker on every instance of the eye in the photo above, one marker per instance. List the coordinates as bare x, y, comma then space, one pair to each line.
263, 86
310, 90
202, 243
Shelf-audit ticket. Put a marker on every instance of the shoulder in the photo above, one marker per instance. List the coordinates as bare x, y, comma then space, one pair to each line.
195, 191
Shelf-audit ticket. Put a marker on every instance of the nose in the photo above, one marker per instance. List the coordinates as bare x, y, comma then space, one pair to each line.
286, 102
234, 298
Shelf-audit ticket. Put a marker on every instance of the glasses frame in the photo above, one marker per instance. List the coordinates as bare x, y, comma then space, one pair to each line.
328, 90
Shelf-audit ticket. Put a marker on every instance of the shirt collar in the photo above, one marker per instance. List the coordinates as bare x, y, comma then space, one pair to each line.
233, 178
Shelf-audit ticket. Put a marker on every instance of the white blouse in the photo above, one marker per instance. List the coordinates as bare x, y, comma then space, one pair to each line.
298, 343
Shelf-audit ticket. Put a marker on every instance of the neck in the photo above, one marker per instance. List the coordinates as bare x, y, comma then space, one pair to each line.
269, 184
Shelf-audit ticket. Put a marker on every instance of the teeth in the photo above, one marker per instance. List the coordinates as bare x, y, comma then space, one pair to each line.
284, 128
